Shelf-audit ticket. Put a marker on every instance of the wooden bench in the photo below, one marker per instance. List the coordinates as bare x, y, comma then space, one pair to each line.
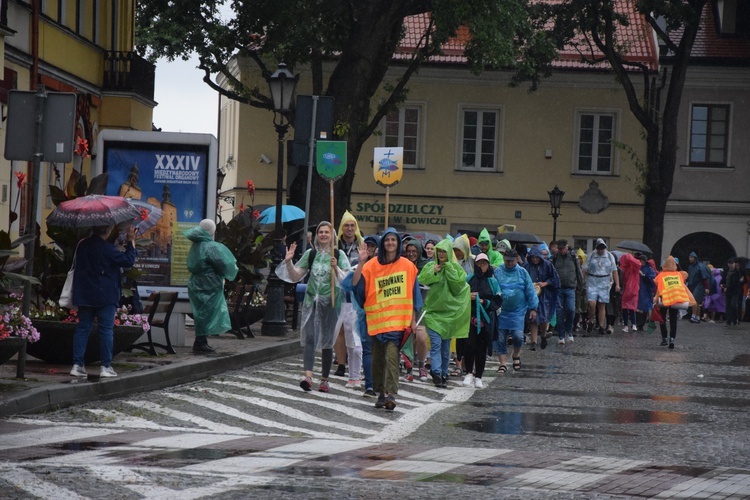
159, 310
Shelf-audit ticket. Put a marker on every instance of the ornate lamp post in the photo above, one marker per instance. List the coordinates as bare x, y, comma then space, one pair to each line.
555, 200
282, 84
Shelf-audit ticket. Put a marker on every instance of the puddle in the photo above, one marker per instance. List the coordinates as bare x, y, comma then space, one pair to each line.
710, 401
510, 422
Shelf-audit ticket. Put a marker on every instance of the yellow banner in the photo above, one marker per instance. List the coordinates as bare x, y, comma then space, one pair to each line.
388, 166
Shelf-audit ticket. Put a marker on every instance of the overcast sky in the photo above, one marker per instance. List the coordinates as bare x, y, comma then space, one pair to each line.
186, 103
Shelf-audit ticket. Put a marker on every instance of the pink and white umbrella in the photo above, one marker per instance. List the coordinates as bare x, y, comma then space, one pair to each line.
93, 210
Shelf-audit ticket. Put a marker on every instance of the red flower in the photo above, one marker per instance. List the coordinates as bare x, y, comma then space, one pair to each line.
82, 147
250, 187
20, 179
256, 214
242, 207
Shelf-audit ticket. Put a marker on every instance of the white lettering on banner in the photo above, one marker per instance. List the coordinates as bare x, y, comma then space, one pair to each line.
177, 162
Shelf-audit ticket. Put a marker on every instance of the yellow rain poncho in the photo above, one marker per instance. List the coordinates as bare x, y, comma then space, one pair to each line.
448, 303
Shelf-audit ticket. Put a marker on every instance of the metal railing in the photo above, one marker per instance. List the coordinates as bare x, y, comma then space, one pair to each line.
129, 72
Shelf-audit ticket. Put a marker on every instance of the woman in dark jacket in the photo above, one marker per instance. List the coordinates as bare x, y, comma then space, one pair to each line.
96, 293
485, 301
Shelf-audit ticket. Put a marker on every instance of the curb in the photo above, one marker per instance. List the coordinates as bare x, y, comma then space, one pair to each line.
52, 398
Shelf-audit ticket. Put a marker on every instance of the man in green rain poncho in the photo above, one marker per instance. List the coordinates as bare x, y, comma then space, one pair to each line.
447, 307
209, 263
484, 244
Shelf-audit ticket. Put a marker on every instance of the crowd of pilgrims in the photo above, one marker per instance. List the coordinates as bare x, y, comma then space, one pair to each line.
473, 298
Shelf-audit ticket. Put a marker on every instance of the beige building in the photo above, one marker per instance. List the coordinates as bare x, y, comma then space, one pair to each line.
479, 153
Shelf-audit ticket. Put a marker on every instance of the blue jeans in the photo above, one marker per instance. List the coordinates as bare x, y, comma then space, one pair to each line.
500, 345
440, 353
566, 311
106, 318
366, 348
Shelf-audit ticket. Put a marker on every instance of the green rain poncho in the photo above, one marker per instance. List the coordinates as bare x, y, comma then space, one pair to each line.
448, 303
496, 258
209, 263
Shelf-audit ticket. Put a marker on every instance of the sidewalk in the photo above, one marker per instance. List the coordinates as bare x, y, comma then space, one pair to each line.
48, 387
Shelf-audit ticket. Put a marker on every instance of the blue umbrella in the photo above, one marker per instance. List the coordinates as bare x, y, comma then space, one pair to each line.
288, 213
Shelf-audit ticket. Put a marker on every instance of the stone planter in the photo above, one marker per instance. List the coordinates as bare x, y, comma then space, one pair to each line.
9, 347
55, 344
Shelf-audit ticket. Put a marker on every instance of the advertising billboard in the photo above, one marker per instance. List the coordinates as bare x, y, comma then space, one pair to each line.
176, 174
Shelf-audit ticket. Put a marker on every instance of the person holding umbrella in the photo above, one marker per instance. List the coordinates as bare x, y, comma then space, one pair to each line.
96, 293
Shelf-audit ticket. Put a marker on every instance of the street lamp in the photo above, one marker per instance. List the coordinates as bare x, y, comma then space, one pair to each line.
282, 84
555, 199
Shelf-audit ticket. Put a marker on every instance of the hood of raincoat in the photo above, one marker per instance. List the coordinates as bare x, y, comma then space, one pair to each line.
462, 243
600, 241
198, 234
421, 259
447, 246
543, 246
693, 255
536, 251
669, 264
381, 249
373, 239
581, 255
348, 217
503, 245
484, 237
318, 246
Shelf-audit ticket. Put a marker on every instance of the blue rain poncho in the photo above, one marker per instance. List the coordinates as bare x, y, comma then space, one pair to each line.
319, 316
543, 272
518, 294
209, 263
448, 302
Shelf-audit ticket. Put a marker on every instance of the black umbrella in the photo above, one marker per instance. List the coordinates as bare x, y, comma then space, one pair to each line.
634, 246
520, 237
423, 236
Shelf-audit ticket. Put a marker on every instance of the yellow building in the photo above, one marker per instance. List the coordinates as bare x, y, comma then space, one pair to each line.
81, 47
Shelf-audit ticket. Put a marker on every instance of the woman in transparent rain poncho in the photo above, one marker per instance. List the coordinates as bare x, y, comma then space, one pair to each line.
319, 314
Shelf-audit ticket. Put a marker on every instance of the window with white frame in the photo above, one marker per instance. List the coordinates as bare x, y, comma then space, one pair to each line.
480, 132
595, 144
402, 129
709, 134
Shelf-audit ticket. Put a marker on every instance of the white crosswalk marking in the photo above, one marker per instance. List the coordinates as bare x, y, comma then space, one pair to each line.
34, 485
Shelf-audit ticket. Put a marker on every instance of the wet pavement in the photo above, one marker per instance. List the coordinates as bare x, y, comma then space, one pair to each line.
606, 417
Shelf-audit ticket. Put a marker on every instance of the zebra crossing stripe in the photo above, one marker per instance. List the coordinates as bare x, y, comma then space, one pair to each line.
34, 485
346, 410
204, 424
232, 412
288, 411
51, 434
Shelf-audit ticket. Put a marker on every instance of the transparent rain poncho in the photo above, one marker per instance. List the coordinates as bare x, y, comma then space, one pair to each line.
209, 263
319, 315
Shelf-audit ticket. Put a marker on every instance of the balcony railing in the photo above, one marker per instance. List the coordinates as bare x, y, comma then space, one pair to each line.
129, 72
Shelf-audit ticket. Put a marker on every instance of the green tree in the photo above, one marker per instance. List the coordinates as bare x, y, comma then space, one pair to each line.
358, 37
600, 30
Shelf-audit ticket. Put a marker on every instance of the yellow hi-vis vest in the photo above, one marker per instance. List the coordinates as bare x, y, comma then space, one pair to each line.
671, 288
389, 299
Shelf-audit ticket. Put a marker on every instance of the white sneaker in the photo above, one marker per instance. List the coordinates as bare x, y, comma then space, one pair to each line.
78, 371
635, 328
106, 372
560, 341
353, 384
570, 339
469, 380
625, 330
478, 383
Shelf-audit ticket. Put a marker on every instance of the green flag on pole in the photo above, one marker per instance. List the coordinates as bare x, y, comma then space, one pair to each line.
330, 159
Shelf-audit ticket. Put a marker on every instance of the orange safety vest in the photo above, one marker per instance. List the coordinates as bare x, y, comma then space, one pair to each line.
389, 295
671, 288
